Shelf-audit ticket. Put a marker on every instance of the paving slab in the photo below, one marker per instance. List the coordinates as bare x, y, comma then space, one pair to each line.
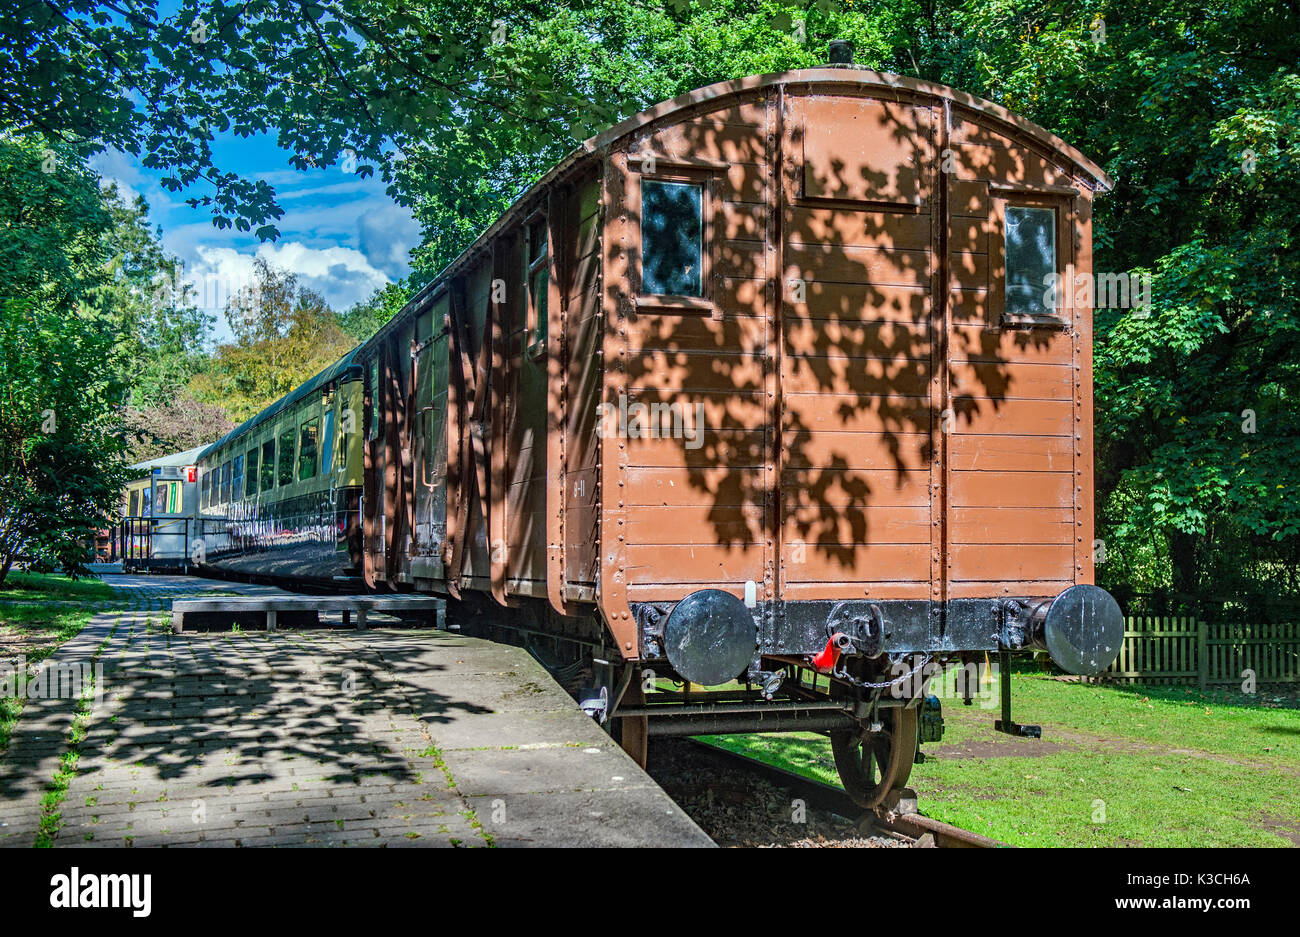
324, 737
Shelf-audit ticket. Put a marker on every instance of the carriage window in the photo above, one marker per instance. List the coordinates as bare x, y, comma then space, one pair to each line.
225, 483
146, 502
327, 444
284, 471
307, 449
169, 498
1030, 258
237, 478
205, 488
538, 275
250, 479
672, 238
372, 388
268, 464
134, 509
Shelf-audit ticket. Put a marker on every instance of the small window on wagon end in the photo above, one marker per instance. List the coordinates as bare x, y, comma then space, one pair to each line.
1030, 263
268, 465
284, 468
672, 238
169, 497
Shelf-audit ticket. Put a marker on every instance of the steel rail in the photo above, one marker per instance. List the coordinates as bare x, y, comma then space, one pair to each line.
915, 827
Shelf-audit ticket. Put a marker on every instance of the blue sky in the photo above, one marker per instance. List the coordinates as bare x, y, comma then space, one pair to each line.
340, 233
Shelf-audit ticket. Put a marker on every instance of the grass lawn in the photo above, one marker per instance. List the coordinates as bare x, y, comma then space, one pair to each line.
31, 632
1117, 766
30, 587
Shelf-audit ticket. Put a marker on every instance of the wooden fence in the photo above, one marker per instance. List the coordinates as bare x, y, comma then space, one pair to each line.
1185, 650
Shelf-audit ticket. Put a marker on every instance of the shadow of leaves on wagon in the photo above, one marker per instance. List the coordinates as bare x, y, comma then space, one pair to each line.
857, 424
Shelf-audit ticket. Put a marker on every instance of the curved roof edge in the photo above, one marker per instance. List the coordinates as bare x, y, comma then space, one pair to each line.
857, 77
842, 74
188, 457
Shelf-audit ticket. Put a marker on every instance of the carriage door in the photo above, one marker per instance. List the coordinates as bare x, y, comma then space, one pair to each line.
429, 440
1010, 449
858, 380
373, 513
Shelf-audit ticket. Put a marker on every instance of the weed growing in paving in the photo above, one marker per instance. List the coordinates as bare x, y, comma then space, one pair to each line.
30, 634
51, 817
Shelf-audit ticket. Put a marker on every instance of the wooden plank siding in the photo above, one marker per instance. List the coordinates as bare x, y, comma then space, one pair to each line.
1012, 391
855, 367
867, 488
709, 359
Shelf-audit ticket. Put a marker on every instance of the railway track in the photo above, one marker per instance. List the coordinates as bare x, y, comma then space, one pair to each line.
911, 829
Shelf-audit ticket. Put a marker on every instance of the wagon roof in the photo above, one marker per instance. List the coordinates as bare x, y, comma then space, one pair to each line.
824, 77
855, 77
300, 392
188, 457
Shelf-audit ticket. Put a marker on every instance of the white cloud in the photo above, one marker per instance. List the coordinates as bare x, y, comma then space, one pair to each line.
386, 234
341, 234
115, 167
341, 274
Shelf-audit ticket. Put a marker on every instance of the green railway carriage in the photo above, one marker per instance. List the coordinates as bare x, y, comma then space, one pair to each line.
158, 514
280, 495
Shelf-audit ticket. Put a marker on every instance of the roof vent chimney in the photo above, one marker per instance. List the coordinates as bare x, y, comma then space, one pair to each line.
841, 52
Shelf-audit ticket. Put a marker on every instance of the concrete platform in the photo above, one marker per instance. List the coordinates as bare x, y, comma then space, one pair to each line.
331, 737
537, 770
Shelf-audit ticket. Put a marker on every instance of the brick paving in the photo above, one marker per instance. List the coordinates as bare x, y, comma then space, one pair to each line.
325, 737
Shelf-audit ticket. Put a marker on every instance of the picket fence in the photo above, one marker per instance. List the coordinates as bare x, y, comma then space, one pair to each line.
1188, 650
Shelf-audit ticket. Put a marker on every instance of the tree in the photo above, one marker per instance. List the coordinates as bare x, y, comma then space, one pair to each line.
162, 332
364, 318
60, 445
460, 106
1196, 117
334, 80
284, 334
173, 426
591, 65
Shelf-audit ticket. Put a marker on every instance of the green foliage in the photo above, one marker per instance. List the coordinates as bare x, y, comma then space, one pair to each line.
364, 319
60, 453
582, 67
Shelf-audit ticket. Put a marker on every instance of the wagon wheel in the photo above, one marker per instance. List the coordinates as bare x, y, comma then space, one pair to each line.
871, 764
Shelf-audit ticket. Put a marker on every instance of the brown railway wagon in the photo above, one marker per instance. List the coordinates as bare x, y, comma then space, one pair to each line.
763, 381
